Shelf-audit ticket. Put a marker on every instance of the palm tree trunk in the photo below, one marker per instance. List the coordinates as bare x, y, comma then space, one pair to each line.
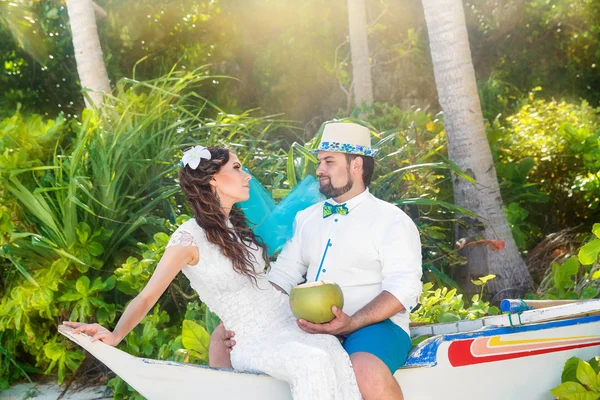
88, 52
469, 149
359, 49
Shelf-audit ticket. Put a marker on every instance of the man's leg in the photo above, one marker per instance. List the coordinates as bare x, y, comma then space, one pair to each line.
376, 352
374, 378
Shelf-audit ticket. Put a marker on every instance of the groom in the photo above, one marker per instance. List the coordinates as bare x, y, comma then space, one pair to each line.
367, 246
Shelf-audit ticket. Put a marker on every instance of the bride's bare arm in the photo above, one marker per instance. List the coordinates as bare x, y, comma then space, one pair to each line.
172, 261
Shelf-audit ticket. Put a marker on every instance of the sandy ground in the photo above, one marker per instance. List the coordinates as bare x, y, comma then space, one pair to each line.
51, 391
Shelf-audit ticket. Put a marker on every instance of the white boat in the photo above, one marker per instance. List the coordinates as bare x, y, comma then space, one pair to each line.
504, 357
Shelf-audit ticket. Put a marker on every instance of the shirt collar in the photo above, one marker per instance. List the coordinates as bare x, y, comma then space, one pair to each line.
355, 201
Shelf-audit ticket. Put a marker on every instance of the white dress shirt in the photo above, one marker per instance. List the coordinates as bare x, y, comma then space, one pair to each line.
375, 247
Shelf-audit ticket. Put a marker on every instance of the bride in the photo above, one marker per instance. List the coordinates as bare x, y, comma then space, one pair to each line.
225, 263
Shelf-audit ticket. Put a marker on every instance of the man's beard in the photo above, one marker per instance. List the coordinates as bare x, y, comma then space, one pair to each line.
330, 191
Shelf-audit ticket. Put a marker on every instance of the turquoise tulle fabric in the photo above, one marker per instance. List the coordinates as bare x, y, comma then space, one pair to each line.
274, 223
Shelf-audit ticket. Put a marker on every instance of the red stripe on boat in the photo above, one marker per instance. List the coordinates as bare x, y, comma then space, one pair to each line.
459, 353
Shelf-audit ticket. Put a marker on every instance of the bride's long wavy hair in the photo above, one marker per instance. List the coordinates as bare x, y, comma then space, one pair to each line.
207, 213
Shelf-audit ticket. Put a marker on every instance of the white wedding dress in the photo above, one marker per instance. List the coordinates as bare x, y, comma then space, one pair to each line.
267, 337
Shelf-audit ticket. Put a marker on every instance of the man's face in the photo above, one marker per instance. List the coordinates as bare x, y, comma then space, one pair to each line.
333, 174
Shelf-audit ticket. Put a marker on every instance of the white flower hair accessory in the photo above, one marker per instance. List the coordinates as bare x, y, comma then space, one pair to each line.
193, 156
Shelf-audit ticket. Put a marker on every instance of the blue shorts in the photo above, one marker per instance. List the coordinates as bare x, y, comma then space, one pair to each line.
385, 340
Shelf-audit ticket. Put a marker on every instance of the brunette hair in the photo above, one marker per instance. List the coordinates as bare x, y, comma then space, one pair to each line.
207, 213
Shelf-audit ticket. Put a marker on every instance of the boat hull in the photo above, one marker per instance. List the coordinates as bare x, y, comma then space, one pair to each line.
492, 363
500, 364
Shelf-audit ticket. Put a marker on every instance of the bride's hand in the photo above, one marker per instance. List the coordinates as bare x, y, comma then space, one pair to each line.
96, 331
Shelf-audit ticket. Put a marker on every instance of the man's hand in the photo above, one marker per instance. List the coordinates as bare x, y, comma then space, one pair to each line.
220, 347
342, 324
226, 337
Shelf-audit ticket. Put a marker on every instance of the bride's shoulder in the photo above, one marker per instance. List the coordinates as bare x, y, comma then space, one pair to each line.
187, 234
189, 225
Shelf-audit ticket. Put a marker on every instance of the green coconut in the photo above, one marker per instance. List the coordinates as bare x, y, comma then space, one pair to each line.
313, 301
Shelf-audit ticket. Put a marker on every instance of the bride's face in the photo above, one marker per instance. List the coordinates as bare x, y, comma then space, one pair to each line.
231, 182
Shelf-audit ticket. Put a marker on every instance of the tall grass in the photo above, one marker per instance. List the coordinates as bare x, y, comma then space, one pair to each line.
76, 217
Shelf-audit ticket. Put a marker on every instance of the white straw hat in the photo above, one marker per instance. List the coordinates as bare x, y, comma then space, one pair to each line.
343, 137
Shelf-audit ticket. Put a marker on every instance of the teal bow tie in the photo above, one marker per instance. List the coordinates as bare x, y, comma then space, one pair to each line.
330, 209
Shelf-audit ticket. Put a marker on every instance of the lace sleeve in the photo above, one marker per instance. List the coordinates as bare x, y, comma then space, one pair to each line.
182, 238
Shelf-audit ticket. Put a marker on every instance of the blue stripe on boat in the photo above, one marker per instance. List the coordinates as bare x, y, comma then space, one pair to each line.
425, 353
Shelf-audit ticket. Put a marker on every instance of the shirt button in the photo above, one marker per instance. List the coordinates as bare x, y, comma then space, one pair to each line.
324, 270
335, 220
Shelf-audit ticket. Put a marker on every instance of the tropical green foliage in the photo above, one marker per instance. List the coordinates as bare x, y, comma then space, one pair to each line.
78, 209
89, 198
439, 305
547, 158
579, 380
577, 277
548, 43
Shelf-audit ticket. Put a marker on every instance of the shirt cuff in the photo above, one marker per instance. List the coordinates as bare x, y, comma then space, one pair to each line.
281, 280
408, 297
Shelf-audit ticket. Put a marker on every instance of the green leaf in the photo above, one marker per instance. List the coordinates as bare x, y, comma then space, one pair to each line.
304, 152
211, 319
525, 165
95, 248
573, 391
589, 252
81, 204
562, 273
482, 281
588, 293
569, 373
83, 232
161, 238
21, 269
195, 337
83, 285
430, 202
436, 235
596, 230
448, 317
54, 351
109, 283
595, 363
586, 375
71, 296
291, 171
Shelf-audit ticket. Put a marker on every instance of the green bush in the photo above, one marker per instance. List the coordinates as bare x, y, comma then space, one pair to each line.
79, 208
555, 146
439, 305
578, 277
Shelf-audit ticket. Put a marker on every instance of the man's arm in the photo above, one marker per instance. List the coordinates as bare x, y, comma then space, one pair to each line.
400, 253
289, 269
279, 288
401, 259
